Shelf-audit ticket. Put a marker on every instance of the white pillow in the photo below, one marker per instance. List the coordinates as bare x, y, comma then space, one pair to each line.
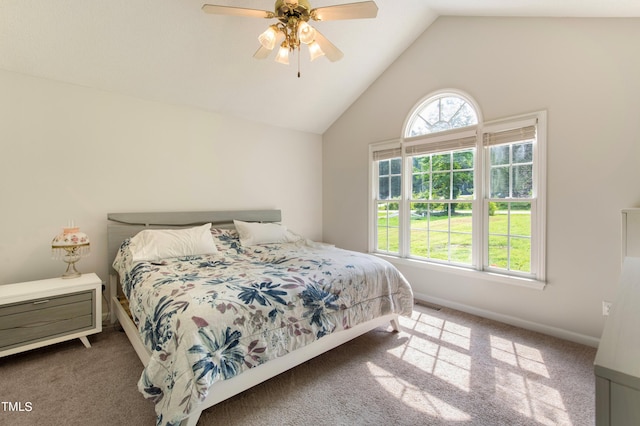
252, 233
155, 244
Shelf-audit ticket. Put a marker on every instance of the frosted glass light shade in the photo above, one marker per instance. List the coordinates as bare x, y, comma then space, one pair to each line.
268, 38
315, 51
283, 55
306, 33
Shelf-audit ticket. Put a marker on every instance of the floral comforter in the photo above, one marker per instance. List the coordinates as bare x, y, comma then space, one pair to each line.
210, 317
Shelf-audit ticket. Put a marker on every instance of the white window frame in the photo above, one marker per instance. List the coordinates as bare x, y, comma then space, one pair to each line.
538, 206
537, 278
373, 193
463, 133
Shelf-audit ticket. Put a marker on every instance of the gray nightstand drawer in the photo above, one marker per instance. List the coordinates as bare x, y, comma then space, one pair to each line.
39, 319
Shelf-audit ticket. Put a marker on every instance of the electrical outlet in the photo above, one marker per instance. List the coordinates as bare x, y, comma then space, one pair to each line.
606, 307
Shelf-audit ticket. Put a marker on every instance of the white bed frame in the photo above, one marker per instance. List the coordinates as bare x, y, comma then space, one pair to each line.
124, 225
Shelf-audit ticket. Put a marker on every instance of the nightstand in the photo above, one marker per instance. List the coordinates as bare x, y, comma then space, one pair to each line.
39, 313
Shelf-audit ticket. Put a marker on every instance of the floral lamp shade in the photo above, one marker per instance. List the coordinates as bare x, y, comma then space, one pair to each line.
71, 245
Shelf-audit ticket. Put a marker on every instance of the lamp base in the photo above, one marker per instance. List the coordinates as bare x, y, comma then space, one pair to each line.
71, 271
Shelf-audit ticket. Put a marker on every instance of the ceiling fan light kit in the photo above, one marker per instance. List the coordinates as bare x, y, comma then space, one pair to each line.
294, 29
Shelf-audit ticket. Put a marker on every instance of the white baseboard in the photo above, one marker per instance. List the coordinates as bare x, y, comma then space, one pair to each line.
507, 319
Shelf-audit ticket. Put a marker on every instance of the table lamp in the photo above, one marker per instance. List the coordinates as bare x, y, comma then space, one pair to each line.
70, 246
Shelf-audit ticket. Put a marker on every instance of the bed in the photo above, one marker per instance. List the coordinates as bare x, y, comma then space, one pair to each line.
237, 300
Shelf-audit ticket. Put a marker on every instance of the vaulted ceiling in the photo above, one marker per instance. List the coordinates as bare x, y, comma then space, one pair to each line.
170, 51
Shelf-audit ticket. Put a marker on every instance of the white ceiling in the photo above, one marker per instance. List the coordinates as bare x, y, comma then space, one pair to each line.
170, 51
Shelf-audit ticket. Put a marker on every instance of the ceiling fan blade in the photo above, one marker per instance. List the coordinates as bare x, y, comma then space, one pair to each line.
365, 9
262, 53
237, 11
330, 50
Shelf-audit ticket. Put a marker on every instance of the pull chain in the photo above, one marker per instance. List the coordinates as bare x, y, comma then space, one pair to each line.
298, 62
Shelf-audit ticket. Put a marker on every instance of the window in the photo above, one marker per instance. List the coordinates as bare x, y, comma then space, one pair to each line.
454, 190
510, 199
444, 112
388, 178
440, 204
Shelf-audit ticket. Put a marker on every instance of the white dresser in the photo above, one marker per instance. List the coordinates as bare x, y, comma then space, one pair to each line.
617, 364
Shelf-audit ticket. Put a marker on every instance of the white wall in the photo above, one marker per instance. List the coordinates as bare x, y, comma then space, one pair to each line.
585, 73
69, 152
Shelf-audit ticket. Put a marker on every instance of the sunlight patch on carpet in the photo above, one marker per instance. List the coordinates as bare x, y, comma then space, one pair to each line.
531, 398
442, 349
443, 361
415, 397
518, 355
521, 382
437, 328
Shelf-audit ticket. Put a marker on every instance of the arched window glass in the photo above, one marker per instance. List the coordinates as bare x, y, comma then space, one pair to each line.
443, 112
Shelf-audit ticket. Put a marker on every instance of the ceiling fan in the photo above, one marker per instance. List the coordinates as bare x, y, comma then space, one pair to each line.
293, 28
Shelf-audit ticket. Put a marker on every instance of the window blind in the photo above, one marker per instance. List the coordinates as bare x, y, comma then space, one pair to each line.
441, 145
509, 136
386, 154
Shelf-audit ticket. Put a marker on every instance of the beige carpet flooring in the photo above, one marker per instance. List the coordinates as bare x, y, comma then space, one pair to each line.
444, 368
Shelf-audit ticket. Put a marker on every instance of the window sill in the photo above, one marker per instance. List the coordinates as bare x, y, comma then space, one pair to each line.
471, 273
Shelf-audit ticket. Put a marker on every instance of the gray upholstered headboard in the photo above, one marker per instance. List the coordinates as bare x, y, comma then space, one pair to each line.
125, 225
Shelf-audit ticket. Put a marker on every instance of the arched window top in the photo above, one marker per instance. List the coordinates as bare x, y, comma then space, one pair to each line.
441, 112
